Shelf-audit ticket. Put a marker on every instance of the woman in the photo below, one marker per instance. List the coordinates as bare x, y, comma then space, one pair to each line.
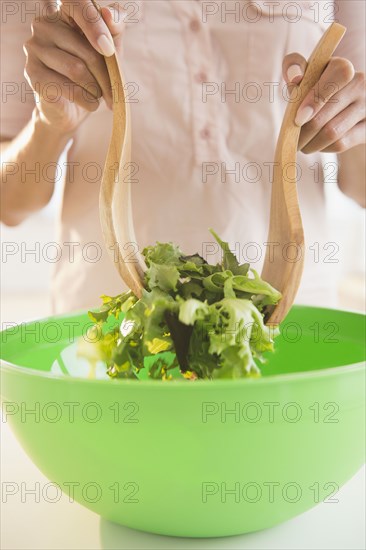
206, 86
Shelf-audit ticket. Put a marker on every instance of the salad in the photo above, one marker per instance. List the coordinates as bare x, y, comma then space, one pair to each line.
194, 320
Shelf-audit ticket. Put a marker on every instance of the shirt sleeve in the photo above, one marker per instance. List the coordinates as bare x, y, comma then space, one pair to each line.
352, 14
17, 99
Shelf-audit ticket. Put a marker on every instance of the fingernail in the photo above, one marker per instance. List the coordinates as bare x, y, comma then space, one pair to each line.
106, 45
294, 72
304, 114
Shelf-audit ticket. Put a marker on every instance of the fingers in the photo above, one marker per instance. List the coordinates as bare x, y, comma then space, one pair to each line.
89, 64
332, 114
78, 46
354, 137
337, 75
52, 87
114, 17
336, 118
73, 68
335, 129
293, 68
92, 24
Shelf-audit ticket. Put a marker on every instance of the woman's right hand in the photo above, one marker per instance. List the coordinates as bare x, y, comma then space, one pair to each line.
67, 74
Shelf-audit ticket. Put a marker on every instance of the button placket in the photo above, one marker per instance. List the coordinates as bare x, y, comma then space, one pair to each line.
199, 47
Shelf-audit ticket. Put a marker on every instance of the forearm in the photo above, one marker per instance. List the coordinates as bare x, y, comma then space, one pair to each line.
28, 169
351, 176
352, 163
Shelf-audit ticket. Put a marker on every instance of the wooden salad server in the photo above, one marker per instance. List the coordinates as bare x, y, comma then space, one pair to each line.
115, 193
285, 220
115, 205
285, 227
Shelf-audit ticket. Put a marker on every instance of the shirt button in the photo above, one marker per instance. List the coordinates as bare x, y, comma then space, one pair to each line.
201, 77
205, 133
195, 25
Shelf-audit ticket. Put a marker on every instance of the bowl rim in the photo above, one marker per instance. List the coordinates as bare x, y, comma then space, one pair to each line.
330, 372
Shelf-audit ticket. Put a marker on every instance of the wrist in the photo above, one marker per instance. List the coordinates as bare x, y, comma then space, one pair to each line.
50, 131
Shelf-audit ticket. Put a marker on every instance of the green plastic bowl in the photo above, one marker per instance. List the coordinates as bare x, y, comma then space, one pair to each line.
193, 459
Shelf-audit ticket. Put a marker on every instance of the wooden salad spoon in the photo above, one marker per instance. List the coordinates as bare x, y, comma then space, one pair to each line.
115, 205
285, 227
115, 193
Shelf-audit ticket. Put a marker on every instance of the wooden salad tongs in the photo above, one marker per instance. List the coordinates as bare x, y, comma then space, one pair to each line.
282, 269
285, 220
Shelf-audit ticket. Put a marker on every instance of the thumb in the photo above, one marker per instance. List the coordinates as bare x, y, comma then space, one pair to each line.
293, 68
114, 17
85, 14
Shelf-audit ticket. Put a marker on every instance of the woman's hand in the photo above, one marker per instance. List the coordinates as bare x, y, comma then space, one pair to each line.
68, 75
332, 114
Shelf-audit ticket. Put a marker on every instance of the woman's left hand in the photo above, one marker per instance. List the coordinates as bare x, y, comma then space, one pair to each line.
332, 114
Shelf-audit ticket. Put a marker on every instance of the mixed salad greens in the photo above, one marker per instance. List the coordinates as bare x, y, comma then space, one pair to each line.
194, 320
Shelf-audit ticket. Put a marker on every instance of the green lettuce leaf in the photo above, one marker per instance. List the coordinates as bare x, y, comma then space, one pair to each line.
221, 304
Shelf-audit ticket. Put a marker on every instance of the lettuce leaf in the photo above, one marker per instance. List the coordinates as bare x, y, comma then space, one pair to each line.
213, 314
